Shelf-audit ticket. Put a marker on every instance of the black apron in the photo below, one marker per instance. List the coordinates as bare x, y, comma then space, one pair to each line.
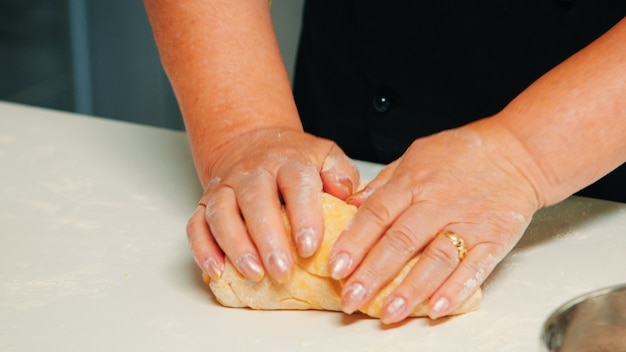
374, 75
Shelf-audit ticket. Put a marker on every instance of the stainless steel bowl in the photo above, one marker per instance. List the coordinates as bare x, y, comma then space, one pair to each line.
594, 322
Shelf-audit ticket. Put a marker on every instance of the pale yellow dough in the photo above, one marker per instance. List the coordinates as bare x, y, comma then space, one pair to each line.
310, 286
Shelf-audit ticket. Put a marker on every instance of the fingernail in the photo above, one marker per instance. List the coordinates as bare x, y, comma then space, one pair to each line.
306, 241
249, 265
353, 198
394, 309
340, 265
360, 196
278, 265
346, 185
213, 268
439, 308
353, 297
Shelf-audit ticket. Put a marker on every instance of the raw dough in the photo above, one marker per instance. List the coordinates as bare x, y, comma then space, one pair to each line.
309, 286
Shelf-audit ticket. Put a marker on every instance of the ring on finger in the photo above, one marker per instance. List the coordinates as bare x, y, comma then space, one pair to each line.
457, 241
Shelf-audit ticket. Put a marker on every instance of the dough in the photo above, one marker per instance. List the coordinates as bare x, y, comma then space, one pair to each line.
309, 286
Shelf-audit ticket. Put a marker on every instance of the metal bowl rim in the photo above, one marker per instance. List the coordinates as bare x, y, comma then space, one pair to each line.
576, 300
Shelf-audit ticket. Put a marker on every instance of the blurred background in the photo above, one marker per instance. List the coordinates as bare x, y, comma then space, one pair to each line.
99, 57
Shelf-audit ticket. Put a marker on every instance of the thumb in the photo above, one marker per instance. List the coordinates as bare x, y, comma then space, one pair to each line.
382, 178
340, 177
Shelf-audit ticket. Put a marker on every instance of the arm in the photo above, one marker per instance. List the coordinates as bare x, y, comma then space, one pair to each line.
248, 146
225, 67
572, 121
484, 181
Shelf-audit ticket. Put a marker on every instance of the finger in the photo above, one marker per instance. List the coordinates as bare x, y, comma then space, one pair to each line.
340, 176
369, 223
206, 252
300, 186
381, 179
406, 237
437, 262
465, 280
228, 229
260, 206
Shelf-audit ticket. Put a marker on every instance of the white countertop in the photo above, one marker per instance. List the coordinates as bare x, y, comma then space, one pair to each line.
93, 256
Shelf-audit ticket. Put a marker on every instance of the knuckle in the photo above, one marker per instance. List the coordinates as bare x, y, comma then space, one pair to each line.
402, 239
247, 188
445, 257
480, 271
372, 276
217, 201
212, 207
301, 178
246, 199
485, 265
193, 223
376, 212
190, 229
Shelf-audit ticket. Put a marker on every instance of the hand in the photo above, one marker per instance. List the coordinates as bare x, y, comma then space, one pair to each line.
459, 180
240, 212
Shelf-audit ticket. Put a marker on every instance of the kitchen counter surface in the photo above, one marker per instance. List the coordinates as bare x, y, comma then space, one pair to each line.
93, 256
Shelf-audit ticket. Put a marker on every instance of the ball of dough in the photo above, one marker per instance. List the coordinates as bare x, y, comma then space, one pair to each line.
310, 286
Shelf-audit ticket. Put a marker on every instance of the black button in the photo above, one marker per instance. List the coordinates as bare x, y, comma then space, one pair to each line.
381, 103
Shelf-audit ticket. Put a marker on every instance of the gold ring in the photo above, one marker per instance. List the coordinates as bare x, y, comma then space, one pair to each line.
457, 241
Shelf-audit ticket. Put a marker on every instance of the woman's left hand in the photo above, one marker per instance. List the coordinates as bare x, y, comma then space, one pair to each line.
463, 181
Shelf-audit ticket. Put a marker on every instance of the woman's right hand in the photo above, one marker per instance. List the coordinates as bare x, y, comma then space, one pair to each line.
239, 215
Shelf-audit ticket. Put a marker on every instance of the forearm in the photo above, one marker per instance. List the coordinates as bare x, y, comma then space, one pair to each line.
571, 123
225, 67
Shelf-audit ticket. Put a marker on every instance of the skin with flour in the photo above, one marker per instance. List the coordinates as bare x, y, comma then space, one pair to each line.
483, 181
310, 286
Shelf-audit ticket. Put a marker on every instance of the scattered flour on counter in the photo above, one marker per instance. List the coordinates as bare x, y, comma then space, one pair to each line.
140, 202
42, 207
496, 335
5, 139
51, 210
37, 292
78, 223
70, 186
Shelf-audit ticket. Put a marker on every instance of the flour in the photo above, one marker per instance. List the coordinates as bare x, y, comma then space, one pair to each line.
484, 268
77, 223
42, 207
70, 185
37, 292
6, 139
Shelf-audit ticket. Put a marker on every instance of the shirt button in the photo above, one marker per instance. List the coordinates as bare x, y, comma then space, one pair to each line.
381, 103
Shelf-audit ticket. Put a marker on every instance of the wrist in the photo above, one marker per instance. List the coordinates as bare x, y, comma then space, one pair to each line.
515, 160
214, 159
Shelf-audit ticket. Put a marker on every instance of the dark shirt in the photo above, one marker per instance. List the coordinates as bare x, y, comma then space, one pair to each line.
375, 75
